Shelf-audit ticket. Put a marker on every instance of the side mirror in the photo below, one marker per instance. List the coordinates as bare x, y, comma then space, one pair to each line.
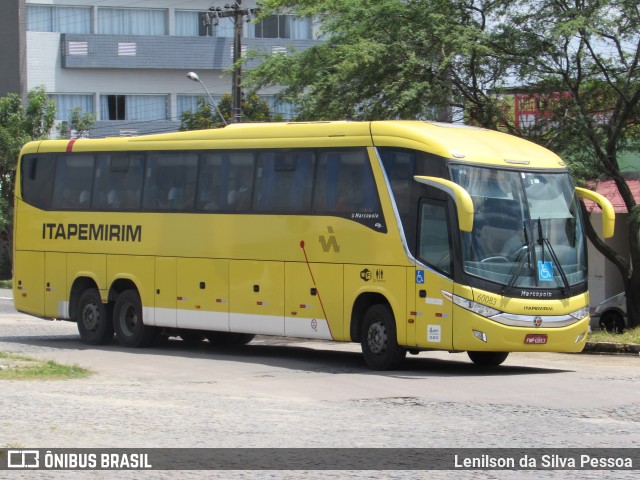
462, 199
608, 214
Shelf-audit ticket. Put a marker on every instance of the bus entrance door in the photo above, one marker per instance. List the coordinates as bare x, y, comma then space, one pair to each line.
433, 276
433, 311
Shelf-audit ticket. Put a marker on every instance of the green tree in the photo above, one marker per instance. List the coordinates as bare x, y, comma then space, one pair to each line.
254, 109
78, 125
19, 124
590, 51
203, 118
418, 58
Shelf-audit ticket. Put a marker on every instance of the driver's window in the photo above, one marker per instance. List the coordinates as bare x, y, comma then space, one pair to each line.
434, 239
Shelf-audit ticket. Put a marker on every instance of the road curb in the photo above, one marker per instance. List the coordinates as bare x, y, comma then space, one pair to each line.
610, 347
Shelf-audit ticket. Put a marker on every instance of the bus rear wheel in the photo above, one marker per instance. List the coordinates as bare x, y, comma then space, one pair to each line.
488, 359
378, 339
128, 322
94, 318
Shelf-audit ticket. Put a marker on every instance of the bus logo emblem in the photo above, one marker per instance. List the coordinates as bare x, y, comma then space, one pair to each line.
331, 244
537, 321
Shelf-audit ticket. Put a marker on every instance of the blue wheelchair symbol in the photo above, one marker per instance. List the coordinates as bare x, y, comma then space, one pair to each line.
545, 271
420, 277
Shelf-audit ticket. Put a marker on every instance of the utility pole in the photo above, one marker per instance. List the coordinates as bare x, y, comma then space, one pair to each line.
238, 14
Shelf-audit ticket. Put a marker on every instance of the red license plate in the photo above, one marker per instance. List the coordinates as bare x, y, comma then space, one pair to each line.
535, 339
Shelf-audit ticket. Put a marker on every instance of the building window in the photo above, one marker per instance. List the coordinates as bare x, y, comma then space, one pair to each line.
65, 103
132, 21
284, 26
287, 110
133, 107
189, 103
199, 24
44, 18
187, 23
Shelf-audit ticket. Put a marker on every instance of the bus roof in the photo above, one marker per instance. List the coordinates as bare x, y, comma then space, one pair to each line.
469, 144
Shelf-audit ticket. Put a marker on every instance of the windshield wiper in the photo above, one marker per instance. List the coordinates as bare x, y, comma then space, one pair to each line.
542, 241
527, 249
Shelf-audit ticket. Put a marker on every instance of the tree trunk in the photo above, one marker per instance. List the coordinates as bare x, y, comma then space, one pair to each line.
632, 285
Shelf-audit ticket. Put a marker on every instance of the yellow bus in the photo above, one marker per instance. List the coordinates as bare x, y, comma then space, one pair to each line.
404, 236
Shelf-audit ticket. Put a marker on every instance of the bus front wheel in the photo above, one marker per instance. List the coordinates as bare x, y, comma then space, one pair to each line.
93, 318
488, 359
127, 321
378, 339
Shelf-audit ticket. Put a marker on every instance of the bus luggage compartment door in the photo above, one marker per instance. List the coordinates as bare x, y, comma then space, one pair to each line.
256, 297
203, 294
28, 277
55, 285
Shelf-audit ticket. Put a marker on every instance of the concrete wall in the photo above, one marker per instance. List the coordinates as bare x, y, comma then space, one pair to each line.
604, 278
12, 47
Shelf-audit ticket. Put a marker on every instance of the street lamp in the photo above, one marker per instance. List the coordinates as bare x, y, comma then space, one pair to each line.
194, 76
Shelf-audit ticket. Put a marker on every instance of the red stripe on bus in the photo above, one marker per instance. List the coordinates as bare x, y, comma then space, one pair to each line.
70, 145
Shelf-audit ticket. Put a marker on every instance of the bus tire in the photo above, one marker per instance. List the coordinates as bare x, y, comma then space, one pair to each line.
128, 322
379, 341
612, 322
220, 339
488, 359
94, 318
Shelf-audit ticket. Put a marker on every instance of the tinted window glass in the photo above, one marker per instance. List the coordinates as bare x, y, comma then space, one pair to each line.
170, 181
226, 181
118, 184
434, 242
36, 175
344, 183
73, 182
284, 181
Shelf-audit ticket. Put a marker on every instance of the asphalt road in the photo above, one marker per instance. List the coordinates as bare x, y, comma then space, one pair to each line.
278, 392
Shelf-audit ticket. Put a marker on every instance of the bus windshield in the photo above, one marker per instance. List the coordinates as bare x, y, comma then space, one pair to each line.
527, 229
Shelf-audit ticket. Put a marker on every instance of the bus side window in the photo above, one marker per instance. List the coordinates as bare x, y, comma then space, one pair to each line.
74, 175
239, 181
170, 182
345, 184
118, 182
284, 182
36, 185
434, 240
212, 194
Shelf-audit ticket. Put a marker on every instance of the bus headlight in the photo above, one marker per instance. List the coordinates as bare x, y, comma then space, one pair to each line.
474, 307
580, 314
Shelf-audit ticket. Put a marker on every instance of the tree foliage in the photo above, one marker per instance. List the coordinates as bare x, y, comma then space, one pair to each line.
19, 123
254, 109
416, 59
78, 124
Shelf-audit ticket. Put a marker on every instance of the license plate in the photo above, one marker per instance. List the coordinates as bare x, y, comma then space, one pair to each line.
535, 339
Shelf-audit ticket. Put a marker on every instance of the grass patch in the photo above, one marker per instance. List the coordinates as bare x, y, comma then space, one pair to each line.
20, 367
6, 284
629, 336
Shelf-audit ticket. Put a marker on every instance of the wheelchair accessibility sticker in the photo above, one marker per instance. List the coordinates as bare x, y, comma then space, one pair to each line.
420, 277
545, 271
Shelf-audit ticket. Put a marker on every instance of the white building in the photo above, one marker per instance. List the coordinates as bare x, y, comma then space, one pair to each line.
126, 61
